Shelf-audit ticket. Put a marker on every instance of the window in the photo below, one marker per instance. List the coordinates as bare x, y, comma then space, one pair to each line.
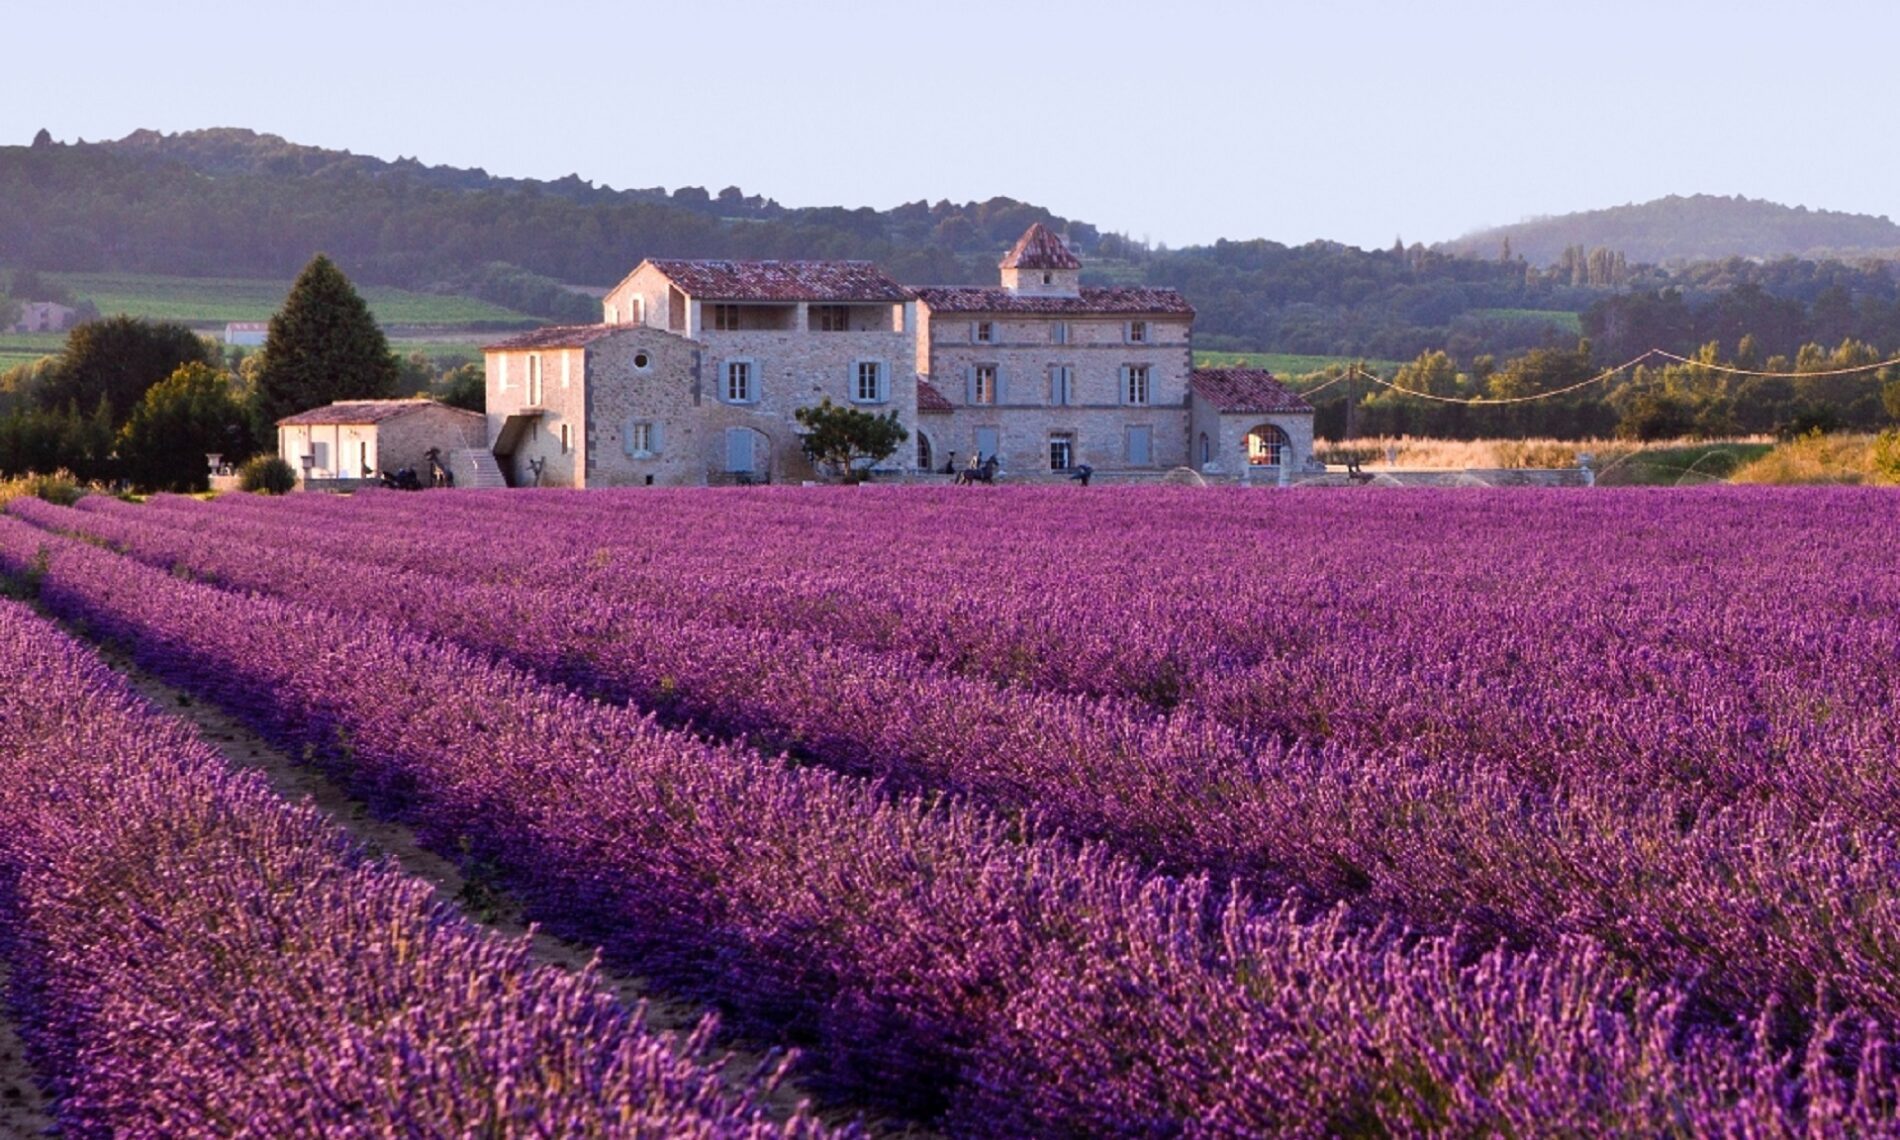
983, 384
725, 317
1048, 278
1061, 452
643, 438
832, 318
1135, 384
1267, 446
534, 379
1137, 332
1061, 384
567, 438
1059, 332
868, 385
739, 388
362, 459
641, 361
983, 332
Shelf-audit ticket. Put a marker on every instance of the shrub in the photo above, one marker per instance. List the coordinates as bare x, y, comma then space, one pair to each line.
268, 475
62, 487
1885, 456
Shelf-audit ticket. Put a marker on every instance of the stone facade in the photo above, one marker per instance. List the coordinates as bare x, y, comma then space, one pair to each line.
1217, 443
698, 369
651, 378
1028, 400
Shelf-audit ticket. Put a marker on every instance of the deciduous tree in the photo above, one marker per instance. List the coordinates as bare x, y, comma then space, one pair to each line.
183, 418
116, 360
839, 437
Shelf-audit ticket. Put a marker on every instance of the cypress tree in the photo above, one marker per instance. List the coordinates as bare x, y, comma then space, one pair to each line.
323, 346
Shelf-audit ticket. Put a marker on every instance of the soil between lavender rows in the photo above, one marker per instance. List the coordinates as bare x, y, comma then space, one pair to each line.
28, 1113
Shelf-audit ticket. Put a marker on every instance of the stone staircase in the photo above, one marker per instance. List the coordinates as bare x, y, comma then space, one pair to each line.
474, 467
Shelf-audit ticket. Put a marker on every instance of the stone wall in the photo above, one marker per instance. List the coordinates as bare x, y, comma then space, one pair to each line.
795, 369
405, 440
1226, 435
645, 376
1024, 350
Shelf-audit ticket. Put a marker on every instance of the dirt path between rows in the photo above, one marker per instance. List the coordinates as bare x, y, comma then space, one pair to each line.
23, 1107
245, 749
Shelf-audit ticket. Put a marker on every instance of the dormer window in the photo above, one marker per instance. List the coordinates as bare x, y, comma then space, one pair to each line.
1048, 278
983, 332
1137, 332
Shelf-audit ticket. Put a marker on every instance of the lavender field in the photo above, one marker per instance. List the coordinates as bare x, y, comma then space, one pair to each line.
1019, 812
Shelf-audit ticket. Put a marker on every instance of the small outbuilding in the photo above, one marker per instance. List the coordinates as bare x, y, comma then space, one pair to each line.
45, 316
1242, 421
354, 441
248, 334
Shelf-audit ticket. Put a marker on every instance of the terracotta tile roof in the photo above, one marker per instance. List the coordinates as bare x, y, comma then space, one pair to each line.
1040, 248
1131, 301
781, 280
558, 336
361, 412
1245, 390
931, 400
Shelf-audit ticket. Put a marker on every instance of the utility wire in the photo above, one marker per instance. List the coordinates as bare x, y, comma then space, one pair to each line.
1476, 401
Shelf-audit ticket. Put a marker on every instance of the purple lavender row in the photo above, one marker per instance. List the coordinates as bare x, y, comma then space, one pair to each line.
1534, 650
195, 957
1033, 988
1764, 901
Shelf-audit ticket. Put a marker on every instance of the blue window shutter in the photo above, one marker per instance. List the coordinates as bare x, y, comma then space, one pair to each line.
987, 442
654, 436
1121, 386
1140, 449
738, 449
969, 386
884, 383
1002, 386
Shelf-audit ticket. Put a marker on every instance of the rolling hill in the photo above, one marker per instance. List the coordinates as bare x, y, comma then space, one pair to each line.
1700, 227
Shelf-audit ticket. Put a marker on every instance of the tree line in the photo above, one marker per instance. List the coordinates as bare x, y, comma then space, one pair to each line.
1719, 393
143, 403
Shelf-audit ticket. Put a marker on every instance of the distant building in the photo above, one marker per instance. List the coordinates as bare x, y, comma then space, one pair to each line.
355, 440
697, 372
697, 369
45, 316
248, 334
1047, 375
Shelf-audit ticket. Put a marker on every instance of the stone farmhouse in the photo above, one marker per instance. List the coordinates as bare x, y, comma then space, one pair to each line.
351, 442
697, 368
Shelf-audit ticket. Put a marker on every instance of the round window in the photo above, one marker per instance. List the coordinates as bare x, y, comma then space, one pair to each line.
640, 361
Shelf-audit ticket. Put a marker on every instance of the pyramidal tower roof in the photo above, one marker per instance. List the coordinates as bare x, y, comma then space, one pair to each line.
1040, 248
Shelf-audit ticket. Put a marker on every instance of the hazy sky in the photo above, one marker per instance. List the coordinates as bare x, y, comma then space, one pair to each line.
1179, 120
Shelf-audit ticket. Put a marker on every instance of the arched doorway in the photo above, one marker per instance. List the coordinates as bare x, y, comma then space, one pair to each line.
1268, 446
924, 457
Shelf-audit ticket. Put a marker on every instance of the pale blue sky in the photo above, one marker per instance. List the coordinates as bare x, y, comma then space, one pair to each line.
1179, 120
